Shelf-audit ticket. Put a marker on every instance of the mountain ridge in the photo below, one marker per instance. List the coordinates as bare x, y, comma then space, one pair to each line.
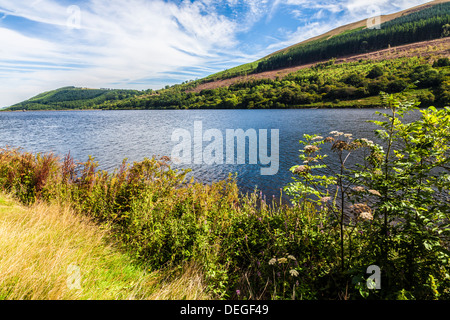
363, 23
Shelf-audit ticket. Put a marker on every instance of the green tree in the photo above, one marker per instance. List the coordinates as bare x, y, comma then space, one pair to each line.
375, 72
446, 30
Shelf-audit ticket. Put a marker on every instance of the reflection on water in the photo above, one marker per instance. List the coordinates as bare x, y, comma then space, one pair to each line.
111, 136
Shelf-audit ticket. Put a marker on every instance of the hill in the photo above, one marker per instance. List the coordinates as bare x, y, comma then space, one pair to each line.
425, 49
68, 98
421, 23
361, 25
410, 48
354, 83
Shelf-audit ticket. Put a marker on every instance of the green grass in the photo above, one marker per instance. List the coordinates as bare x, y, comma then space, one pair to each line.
50, 253
241, 70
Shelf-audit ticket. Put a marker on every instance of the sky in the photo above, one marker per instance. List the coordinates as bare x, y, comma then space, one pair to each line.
148, 44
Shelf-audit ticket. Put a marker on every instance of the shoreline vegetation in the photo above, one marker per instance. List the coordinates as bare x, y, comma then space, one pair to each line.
211, 242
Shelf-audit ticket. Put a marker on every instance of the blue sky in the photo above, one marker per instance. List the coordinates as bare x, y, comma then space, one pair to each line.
142, 44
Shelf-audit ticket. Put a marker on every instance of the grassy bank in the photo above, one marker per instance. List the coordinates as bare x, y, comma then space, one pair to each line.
391, 213
50, 253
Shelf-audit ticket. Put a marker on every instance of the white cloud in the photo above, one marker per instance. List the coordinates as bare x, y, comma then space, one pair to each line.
116, 43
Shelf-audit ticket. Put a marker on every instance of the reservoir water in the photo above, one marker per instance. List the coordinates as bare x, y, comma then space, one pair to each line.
111, 136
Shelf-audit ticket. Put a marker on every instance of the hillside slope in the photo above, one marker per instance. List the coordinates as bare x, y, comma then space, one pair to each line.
420, 32
362, 24
438, 47
421, 23
67, 98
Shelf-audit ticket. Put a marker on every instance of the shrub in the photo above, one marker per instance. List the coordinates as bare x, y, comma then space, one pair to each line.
354, 79
441, 62
375, 72
392, 210
397, 85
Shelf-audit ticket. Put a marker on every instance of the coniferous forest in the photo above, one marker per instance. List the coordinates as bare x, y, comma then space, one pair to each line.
419, 26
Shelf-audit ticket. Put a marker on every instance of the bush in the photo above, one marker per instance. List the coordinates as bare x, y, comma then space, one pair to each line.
376, 87
397, 85
425, 76
441, 62
426, 98
354, 79
392, 209
376, 72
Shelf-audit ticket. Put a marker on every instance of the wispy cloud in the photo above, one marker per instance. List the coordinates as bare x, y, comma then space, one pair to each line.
115, 43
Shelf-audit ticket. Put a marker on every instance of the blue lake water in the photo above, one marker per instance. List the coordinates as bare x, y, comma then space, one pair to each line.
111, 136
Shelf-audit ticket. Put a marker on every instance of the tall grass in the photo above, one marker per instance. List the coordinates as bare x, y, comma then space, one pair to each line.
50, 253
164, 221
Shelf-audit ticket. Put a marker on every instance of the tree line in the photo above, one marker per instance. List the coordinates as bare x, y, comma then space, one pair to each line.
325, 84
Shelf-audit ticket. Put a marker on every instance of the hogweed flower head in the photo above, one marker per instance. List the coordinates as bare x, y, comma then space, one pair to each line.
337, 133
311, 149
358, 189
293, 273
366, 142
309, 159
360, 207
340, 145
366, 216
362, 210
282, 260
302, 170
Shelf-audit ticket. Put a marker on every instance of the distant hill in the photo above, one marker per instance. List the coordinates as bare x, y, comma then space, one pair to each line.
422, 23
359, 25
67, 98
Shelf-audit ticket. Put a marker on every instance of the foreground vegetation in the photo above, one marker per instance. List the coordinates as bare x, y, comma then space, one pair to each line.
392, 212
48, 252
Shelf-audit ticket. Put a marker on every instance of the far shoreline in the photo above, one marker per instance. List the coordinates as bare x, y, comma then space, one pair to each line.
186, 109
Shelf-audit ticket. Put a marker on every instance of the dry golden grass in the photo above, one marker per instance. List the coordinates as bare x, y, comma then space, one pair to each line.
47, 252
187, 286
